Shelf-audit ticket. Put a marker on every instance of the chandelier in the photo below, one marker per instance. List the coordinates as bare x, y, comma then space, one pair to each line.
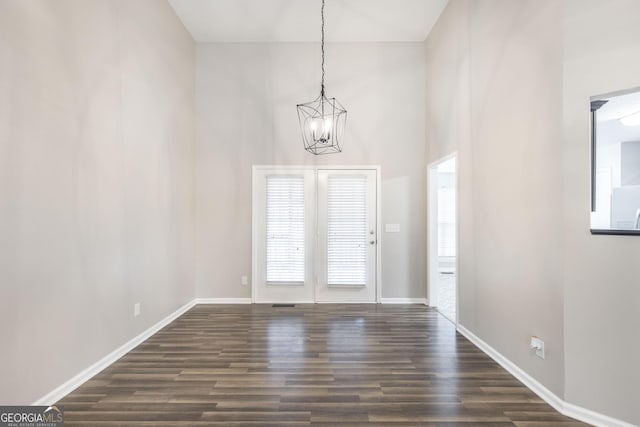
322, 121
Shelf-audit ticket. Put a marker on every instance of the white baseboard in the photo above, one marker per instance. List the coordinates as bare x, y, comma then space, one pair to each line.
543, 392
592, 417
283, 302
565, 408
82, 377
404, 301
222, 301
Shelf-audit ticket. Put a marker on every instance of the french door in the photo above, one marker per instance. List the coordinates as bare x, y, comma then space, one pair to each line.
314, 235
347, 236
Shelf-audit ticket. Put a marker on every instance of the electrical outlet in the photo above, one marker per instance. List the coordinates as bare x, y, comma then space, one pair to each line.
136, 309
245, 280
538, 345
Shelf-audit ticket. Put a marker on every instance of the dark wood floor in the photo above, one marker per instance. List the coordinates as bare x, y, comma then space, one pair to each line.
312, 365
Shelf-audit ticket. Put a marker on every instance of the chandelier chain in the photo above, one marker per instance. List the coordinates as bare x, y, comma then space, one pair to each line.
322, 48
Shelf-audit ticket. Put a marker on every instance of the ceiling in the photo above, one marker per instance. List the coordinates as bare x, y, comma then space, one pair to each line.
261, 21
620, 106
610, 130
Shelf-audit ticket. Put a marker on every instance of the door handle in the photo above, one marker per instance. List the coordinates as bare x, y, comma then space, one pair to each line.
373, 242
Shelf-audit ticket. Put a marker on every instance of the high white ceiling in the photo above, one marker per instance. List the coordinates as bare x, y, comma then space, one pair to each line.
211, 21
620, 106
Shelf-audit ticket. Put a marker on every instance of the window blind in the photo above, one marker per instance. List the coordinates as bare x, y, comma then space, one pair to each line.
347, 230
285, 229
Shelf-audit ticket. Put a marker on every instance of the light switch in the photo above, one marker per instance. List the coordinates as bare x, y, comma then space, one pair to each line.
392, 228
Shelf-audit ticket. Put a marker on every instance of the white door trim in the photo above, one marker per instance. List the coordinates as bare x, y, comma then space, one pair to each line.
254, 218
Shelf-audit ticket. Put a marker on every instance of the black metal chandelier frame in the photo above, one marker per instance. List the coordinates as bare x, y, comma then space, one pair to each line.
322, 121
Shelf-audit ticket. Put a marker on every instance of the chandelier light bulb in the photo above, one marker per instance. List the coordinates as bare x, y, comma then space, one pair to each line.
321, 129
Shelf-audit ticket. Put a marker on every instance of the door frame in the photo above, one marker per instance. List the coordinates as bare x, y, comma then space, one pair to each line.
254, 224
432, 231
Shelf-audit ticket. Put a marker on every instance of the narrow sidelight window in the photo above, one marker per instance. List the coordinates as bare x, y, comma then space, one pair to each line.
285, 254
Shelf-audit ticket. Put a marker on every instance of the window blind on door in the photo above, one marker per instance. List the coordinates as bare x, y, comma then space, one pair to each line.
347, 230
285, 251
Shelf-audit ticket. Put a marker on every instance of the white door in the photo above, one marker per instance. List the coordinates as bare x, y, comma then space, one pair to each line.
283, 235
347, 236
314, 235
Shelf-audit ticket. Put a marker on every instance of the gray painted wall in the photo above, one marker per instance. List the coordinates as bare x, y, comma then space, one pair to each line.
96, 182
508, 86
246, 96
494, 72
601, 273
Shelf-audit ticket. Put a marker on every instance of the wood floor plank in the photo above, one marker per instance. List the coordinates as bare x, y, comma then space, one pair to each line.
311, 365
